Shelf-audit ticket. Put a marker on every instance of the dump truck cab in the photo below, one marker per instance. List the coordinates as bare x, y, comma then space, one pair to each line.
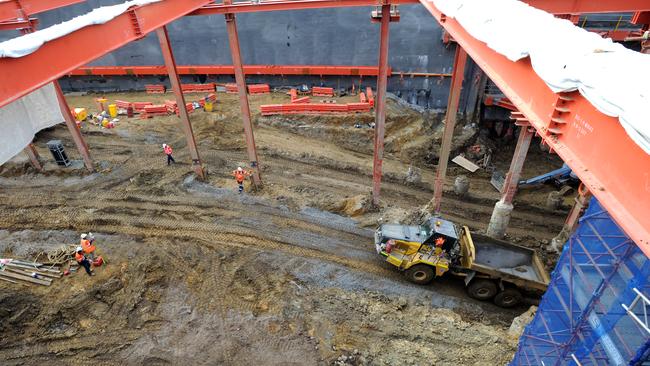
424, 251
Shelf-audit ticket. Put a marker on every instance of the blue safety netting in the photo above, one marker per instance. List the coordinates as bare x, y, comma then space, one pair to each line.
582, 318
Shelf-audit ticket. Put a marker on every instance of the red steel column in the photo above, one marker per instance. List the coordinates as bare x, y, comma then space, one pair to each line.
30, 150
450, 123
516, 165
170, 64
72, 127
240, 78
380, 104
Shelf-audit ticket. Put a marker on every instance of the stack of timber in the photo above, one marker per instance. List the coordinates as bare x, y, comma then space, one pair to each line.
18, 271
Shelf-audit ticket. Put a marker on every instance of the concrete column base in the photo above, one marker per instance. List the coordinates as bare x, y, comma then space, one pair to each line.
499, 220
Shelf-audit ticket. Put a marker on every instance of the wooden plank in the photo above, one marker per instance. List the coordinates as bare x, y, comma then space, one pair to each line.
460, 160
31, 268
28, 274
8, 280
46, 274
24, 278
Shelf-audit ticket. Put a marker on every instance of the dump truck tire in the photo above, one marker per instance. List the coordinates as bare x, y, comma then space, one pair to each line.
482, 289
420, 274
508, 298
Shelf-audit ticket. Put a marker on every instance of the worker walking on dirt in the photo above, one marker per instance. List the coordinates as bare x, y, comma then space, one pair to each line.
240, 174
168, 151
82, 260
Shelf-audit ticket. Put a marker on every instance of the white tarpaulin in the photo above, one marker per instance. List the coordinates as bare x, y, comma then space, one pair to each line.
22, 118
614, 79
24, 45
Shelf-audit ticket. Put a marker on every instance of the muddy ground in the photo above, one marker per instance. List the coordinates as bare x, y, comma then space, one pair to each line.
199, 274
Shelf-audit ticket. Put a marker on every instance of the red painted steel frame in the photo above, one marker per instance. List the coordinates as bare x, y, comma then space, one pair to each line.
47, 63
12, 9
458, 73
72, 127
168, 56
613, 167
380, 104
240, 78
320, 70
551, 6
32, 153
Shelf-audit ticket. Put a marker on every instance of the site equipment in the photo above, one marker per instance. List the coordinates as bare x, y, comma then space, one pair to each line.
492, 269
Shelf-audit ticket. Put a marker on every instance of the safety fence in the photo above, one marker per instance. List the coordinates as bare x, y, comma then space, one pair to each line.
595, 311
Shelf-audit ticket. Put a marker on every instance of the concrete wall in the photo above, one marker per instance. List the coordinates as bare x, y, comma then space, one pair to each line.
342, 36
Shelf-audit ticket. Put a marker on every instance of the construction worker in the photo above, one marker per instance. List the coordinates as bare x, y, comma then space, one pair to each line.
87, 245
240, 174
168, 151
82, 260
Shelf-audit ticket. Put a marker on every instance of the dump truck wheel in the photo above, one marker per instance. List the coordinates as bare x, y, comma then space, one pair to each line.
508, 298
482, 289
420, 274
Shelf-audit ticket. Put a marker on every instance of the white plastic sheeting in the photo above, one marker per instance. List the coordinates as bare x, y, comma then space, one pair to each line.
24, 45
614, 79
22, 118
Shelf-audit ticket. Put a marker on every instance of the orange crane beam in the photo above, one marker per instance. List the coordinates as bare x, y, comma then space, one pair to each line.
54, 59
596, 147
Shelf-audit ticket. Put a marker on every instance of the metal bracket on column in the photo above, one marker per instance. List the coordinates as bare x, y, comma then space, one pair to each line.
375, 15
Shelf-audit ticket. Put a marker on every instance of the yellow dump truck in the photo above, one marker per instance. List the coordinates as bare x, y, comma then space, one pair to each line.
492, 269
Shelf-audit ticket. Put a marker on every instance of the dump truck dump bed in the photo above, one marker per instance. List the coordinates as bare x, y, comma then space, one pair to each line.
509, 262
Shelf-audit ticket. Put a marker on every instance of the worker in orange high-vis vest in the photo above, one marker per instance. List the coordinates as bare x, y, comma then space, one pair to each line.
168, 151
82, 260
240, 174
88, 246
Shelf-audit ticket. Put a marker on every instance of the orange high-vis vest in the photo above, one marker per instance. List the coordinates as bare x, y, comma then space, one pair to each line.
168, 150
79, 257
87, 246
239, 176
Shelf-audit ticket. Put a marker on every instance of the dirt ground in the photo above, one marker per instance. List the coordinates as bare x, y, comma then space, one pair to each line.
283, 275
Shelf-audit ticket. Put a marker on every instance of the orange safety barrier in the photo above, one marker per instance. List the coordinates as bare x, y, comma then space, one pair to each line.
318, 91
154, 89
259, 89
123, 104
197, 88
231, 88
313, 108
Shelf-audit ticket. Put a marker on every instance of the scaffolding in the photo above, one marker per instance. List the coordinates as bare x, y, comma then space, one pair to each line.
595, 311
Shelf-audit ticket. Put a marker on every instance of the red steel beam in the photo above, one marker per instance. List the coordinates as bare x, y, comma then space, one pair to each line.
551, 6
32, 153
380, 104
20, 9
458, 73
319, 70
56, 58
240, 78
74, 130
283, 5
168, 56
612, 166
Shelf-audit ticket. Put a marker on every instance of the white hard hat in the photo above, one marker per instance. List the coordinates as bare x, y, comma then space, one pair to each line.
79, 249
239, 168
164, 145
83, 236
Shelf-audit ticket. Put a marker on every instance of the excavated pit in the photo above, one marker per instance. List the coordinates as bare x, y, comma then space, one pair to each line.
199, 274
